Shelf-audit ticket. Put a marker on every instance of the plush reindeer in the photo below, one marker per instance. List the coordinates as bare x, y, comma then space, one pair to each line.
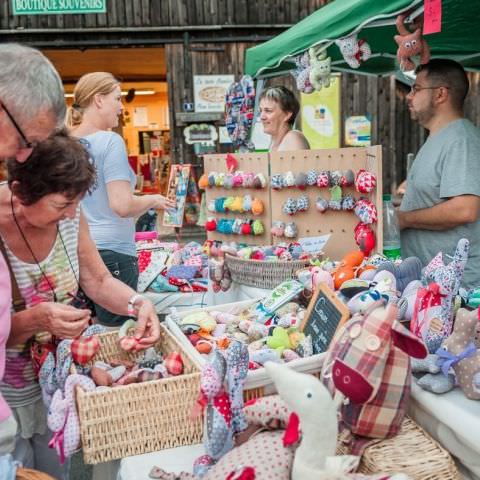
368, 362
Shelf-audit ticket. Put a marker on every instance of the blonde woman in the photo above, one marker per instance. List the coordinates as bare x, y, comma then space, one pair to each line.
278, 110
111, 208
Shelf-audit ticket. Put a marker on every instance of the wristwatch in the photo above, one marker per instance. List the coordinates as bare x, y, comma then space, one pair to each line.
131, 310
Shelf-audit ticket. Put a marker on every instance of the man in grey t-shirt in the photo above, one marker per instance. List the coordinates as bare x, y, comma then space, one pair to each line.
442, 200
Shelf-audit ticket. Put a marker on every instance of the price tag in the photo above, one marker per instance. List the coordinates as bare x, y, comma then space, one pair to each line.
432, 16
314, 244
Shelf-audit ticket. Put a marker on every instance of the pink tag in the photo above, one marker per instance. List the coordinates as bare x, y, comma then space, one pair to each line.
432, 16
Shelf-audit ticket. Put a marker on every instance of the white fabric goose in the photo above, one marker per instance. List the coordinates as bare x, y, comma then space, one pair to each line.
317, 412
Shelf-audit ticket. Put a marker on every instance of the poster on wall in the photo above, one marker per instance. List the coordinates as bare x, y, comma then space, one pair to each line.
209, 92
358, 130
321, 116
177, 191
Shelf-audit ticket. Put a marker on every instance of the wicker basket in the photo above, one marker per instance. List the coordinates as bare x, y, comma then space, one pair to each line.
412, 452
262, 273
142, 417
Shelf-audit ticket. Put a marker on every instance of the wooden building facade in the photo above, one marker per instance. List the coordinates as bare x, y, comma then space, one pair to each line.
210, 37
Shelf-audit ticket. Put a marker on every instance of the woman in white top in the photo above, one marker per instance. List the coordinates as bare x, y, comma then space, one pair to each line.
278, 110
111, 208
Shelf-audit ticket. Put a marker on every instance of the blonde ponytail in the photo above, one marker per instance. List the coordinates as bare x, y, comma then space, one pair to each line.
74, 117
84, 92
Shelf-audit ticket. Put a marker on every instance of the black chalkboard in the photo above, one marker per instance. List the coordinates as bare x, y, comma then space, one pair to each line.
324, 314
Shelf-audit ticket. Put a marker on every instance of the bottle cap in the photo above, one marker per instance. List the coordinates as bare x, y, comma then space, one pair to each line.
387, 197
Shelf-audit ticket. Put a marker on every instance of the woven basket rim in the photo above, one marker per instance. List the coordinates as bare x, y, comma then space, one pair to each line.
228, 256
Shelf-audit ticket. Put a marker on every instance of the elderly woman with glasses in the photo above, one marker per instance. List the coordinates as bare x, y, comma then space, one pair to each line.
47, 243
278, 110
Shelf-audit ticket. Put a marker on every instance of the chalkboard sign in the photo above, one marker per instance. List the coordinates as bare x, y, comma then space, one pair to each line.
324, 314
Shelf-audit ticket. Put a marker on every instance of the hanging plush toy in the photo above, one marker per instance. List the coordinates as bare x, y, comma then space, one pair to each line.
409, 45
302, 73
354, 50
319, 68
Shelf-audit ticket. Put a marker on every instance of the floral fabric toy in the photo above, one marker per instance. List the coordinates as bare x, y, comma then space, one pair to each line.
354, 50
63, 418
409, 45
368, 362
433, 312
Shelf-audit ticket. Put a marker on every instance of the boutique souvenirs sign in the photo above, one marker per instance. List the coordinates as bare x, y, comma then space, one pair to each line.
46, 7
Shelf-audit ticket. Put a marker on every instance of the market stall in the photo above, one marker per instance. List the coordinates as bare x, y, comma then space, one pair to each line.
297, 284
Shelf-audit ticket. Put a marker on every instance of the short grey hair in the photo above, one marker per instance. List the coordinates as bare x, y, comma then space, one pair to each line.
29, 83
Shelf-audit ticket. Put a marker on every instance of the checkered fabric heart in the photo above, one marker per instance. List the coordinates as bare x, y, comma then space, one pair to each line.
174, 363
84, 349
365, 182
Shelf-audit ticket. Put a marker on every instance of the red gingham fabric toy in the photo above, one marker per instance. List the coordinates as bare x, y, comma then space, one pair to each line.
84, 349
174, 363
365, 182
368, 362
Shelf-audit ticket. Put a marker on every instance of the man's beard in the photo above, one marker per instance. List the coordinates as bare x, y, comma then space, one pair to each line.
424, 116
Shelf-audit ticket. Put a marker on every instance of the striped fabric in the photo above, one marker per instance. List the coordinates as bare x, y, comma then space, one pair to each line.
19, 385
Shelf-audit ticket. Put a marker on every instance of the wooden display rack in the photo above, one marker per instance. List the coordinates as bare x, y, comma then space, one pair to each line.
339, 224
249, 162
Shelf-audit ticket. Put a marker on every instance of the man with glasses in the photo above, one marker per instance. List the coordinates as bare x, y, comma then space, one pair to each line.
442, 198
32, 106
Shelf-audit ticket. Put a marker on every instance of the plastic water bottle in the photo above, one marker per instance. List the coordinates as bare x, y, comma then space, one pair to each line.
391, 230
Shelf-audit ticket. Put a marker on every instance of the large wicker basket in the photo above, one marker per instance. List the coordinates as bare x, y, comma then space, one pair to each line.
142, 417
412, 452
262, 273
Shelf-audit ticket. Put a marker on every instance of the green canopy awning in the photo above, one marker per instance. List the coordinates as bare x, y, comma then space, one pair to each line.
373, 21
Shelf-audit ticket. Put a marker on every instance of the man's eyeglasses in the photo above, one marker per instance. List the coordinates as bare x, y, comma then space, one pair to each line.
416, 88
25, 142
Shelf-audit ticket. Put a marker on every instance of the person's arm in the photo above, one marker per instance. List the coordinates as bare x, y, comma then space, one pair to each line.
63, 321
110, 293
455, 211
294, 140
117, 173
125, 204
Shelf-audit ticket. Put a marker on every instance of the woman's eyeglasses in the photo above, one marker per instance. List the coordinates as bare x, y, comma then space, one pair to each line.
25, 142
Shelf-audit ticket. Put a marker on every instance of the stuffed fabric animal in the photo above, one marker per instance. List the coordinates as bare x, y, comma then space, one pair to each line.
409, 45
433, 312
269, 454
302, 73
354, 50
368, 362
320, 68
62, 417
459, 352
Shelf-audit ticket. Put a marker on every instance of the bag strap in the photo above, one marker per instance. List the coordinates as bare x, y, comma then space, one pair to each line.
17, 299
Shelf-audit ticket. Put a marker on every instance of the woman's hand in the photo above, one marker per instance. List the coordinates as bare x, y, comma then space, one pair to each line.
63, 321
148, 329
164, 203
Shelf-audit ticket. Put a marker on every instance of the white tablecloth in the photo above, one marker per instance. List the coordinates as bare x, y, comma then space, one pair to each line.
452, 420
182, 301
173, 460
236, 293
186, 301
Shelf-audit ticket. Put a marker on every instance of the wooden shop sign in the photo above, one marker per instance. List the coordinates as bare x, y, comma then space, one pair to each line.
57, 7
325, 313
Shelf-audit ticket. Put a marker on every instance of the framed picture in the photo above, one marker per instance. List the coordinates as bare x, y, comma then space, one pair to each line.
209, 92
177, 191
